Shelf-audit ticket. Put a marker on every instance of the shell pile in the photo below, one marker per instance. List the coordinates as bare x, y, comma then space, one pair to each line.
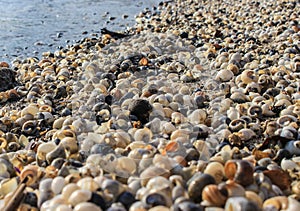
196, 108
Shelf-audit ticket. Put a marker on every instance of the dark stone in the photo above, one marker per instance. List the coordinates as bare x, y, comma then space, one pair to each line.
7, 78
141, 109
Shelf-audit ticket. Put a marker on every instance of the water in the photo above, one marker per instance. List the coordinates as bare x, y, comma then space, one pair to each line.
30, 27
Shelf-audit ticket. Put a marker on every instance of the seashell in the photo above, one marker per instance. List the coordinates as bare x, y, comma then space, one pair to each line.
70, 144
246, 134
79, 196
68, 190
159, 208
285, 179
59, 151
86, 206
254, 197
178, 118
127, 165
43, 149
239, 97
213, 196
198, 116
7, 186
29, 127
57, 185
216, 170
29, 174
296, 187
255, 111
287, 164
248, 76
281, 203
286, 120
31, 109
224, 75
138, 206
143, 134
63, 207
241, 171
157, 199
189, 206
151, 172
293, 147
240, 204
197, 183
88, 183
237, 125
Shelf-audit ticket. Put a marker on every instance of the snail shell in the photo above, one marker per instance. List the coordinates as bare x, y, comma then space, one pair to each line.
241, 171
213, 196
281, 203
31, 173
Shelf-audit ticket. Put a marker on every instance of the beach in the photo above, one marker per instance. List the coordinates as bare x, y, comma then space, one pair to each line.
194, 107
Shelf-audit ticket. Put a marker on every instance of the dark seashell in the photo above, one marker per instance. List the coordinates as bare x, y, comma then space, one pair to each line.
282, 153
192, 154
196, 185
155, 199
187, 206
58, 152
141, 109
241, 171
127, 199
31, 199
58, 162
60, 92
98, 200
66, 112
99, 106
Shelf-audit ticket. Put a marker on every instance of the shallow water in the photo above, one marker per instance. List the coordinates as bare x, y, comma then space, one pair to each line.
30, 27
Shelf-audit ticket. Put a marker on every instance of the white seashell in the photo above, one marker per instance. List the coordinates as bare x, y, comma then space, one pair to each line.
57, 184
88, 183
69, 189
216, 170
84, 206
79, 196
198, 116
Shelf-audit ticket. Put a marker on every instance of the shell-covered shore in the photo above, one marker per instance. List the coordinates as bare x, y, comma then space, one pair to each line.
196, 107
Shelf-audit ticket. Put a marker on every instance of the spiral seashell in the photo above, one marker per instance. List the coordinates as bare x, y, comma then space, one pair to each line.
240, 171
255, 111
29, 174
197, 183
29, 127
281, 203
70, 144
237, 124
286, 120
212, 195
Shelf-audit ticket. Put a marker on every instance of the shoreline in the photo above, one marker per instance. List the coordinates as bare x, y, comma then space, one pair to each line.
196, 107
